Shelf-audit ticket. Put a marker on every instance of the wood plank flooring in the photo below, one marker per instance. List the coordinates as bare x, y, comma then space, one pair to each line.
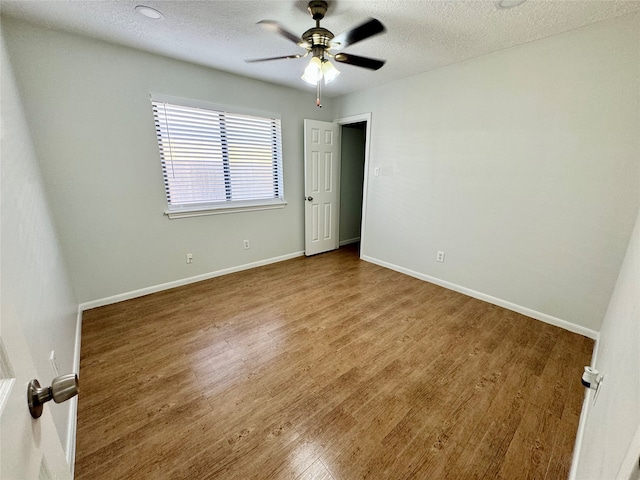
324, 368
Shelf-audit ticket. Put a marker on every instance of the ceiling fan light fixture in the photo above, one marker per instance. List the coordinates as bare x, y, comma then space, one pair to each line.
329, 72
313, 73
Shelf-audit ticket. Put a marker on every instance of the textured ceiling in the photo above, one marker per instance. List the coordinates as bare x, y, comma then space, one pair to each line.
421, 35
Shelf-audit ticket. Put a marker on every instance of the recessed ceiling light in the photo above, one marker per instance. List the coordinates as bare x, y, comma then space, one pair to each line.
509, 3
149, 12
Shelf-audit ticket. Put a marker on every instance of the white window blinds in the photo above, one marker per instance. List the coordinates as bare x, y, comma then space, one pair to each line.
213, 158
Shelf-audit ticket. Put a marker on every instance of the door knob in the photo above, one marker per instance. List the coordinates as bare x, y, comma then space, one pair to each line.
62, 388
310, 199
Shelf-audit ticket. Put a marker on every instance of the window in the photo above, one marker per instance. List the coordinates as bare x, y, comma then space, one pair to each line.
214, 161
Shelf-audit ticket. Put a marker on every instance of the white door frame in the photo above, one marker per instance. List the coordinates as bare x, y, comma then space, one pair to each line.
362, 117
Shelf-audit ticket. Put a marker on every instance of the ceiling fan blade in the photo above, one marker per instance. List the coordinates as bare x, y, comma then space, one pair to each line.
365, 62
367, 29
284, 57
275, 27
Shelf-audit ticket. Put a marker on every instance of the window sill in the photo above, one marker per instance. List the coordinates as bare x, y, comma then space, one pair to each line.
219, 210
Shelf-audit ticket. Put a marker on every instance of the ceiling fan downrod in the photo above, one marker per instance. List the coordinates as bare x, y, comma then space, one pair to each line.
318, 38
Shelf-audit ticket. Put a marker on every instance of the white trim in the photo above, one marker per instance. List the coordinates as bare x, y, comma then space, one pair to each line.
349, 241
558, 322
584, 413
70, 448
76, 353
185, 281
7, 376
71, 435
194, 103
362, 117
220, 209
6, 385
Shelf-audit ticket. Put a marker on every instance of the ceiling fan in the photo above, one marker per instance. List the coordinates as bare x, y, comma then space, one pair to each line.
321, 44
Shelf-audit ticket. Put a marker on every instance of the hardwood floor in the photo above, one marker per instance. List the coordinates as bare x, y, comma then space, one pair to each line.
324, 368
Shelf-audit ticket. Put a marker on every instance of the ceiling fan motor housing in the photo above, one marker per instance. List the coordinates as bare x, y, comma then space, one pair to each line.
318, 37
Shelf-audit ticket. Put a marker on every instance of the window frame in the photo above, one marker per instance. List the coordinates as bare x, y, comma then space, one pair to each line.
229, 206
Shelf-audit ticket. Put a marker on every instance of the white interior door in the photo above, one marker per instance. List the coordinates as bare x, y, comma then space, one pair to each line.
29, 448
322, 189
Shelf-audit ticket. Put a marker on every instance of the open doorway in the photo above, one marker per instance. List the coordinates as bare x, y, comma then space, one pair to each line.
355, 137
352, 150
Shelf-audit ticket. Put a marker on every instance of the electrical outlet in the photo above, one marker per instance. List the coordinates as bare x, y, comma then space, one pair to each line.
376, 172
440, 256
189, 258
245, 244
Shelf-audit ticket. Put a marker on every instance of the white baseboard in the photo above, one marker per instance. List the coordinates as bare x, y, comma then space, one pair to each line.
185, 281
349, 241
558, 322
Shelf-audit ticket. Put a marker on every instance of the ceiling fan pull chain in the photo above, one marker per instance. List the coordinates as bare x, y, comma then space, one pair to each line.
318, 104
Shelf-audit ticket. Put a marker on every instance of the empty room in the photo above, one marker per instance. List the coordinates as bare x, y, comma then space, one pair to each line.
318, 239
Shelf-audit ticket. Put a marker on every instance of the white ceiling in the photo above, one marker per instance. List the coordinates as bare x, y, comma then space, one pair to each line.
421, 35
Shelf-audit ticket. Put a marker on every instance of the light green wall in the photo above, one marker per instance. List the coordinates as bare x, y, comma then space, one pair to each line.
90, 114
523, 166
35, 288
